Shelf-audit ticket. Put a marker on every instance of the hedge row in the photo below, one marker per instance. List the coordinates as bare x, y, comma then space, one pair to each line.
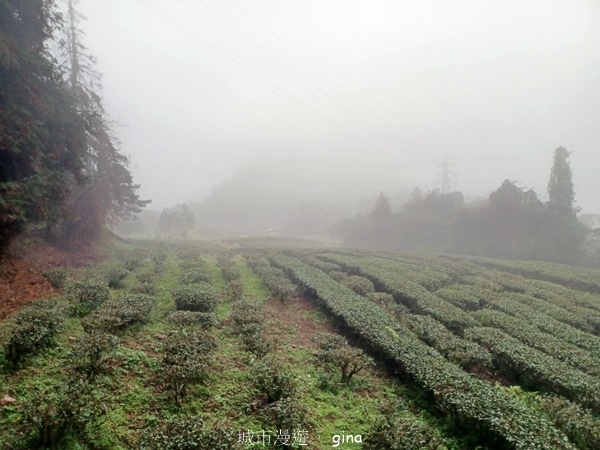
463, 352
487, 411
274, 278
532, 336
560, 330
536, 370
416, 297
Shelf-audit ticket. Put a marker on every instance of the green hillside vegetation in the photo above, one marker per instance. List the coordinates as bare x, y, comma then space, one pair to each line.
193, 346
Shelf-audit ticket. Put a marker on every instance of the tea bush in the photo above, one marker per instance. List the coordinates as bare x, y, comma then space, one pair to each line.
246, 315
192, 262
201, 298
360, 285
334, 349
119, 313
158, 258
63, 410
258, 343
33, 328
228, 268
273, 277
381, 298
189, 433
56, 278
192, 318
186, 357
338, 275
286, 414
274, 380
578, 423
235, 290
87, 295
249, 323
145, 288
92, 353
133, 260
196, 275
395, 429
146, 277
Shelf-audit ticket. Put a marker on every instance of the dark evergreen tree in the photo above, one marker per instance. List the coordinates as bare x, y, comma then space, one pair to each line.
565, 234
41, 134
109, 194
561, 194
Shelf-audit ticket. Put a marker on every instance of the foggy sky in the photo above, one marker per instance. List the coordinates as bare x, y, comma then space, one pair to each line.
205, 86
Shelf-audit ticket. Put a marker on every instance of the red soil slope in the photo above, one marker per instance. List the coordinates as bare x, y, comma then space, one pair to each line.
21, 269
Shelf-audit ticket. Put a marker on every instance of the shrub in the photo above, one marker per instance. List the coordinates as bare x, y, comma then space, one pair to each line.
92, 353
145, 288
189, 433
159, 258
579, 424
274, 381
56, 278
195, 298
235, 290
192, 263
186, 356
334, 349
34, 328
283, 290
230, 273
145, 277
87, 295
338, 275
118, 314
273, 277
395, 429
258, 343
286, 414
192, 318
65, 409
196, 275
381, 298
228, 268
245, 314
360, 285
249, 323
115, 277
319, 264
133, 261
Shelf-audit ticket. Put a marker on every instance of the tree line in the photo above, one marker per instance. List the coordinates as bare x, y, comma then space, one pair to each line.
61, 168
512, 223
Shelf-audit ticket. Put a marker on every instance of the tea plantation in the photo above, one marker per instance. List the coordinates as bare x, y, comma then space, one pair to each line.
208, 346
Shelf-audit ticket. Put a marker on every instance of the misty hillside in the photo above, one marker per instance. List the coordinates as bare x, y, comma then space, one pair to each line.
248, 224
296, 196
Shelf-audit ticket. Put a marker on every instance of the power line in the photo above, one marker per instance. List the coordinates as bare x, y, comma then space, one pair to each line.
181, 61
253, 72
319, 84
309, 85
339, 71
305, 59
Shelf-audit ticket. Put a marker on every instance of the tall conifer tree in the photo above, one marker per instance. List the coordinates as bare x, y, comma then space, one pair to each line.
41, 135
561, 194
109, 193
